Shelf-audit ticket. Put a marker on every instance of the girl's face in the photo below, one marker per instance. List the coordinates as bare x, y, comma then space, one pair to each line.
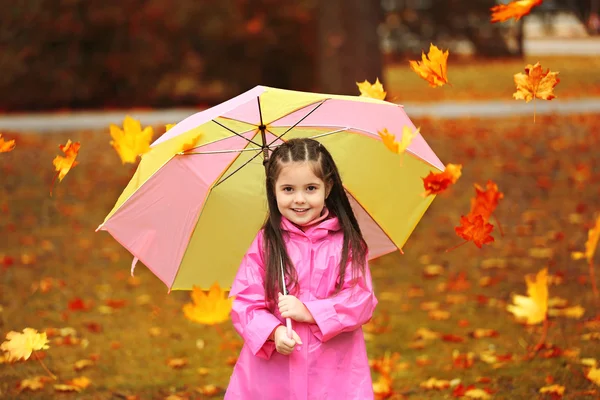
300, 193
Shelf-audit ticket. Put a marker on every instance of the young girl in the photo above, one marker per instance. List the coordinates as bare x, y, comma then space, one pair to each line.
311, 227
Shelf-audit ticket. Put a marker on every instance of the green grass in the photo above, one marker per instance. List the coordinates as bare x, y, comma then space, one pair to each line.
53, 237
475, 79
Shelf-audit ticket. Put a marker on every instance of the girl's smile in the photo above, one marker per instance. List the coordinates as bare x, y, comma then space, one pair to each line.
300, 193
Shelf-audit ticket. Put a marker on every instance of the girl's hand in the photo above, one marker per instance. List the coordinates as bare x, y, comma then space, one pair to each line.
283, 344
291, 307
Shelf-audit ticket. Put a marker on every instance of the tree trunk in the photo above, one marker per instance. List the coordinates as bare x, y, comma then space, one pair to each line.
348, 47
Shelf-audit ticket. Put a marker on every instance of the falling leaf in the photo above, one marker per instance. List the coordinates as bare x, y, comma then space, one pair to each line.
6, 146
532, 309
191, 143
553, 389
398, 147
486, 200
131, 141
475, 229
374, 91
438, 182
63, 165
535, 83
21, 345
516, 10
208, 309
432, 67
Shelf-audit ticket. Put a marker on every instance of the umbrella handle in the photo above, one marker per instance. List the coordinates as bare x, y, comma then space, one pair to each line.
288, 321
288, 325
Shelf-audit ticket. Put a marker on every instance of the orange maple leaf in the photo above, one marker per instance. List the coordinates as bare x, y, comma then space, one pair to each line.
6, 146
516, 10
374, 91
63, 165
438, 182
432, 67
474, 228
485, 201
535, 83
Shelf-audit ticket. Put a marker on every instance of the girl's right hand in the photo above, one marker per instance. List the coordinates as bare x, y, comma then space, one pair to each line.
283, 344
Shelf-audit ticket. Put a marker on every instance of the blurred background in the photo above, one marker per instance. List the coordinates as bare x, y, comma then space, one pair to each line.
69, 68
78, 54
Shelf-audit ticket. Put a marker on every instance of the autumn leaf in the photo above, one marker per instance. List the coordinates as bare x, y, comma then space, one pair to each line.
63, 165
6, 146
374, 91
594, 375
169, 126
131, 141
516, 10
433, 383
486, 200
177, 362
532, 309
21, 345
208, 309
33, 384
535, 83
474, 228
432, 67
191, 143
436, 183
398, 147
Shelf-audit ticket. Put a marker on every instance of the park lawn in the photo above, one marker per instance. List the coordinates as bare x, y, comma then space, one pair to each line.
480, 79
63, 274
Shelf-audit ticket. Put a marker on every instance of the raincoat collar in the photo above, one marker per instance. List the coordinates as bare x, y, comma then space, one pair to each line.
319, 229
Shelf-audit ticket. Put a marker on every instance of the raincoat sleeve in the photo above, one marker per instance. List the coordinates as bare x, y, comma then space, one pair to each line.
249, 314
351, 308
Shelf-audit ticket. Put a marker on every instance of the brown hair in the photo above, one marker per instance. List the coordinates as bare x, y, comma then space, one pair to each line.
354, 246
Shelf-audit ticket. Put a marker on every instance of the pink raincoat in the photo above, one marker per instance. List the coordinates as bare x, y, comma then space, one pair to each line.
332, 362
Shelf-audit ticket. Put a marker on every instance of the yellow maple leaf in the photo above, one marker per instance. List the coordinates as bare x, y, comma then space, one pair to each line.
6, 146
131, 141
191, 143
208, 309
433, 67
21, 345
374, 91
389, 141
477, 394
33, 384
532, 309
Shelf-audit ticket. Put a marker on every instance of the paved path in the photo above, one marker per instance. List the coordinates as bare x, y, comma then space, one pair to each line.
60, 122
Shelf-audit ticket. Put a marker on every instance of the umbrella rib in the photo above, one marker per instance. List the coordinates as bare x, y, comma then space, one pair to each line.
300, 120
235, 133
237, 169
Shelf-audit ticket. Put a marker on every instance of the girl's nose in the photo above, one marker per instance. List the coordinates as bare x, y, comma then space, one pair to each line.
299, 198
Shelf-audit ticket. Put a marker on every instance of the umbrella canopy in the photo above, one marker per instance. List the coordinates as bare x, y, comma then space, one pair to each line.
191, 215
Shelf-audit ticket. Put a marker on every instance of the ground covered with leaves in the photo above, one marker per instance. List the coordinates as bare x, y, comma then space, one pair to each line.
442, 315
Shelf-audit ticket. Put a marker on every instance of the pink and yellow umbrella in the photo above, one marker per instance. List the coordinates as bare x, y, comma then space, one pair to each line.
197, 199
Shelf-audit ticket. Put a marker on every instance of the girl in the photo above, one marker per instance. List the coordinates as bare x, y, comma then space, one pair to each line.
311, 227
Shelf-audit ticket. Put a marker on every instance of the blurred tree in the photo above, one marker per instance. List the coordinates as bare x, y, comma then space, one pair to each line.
586, 11
348, 44
412, 24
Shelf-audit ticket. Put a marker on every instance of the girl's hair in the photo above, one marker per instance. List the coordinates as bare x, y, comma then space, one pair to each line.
323, 166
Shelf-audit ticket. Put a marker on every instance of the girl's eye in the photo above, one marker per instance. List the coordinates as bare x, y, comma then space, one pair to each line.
311, 188
287, 189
